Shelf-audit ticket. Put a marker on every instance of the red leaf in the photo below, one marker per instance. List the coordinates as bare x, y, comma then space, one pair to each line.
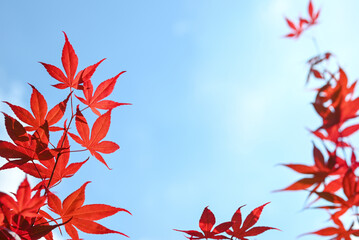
258, 230
326, 231
98, 132
222, 227
301, 184
39, 108
318, 158
350, 130
245, 231
310, 9
93, 227
69, 60
253, 217
206, 224
207, 220
301, 168
57, 74
103, 90
82, 217
291, 24
24, 205
330, 197
349, 183
57, 112
317, 74
24, 115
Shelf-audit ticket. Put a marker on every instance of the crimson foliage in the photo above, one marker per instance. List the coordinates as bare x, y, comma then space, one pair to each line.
332, 177
35, 151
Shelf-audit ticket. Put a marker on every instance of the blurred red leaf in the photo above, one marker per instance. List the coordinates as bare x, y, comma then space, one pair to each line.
206, 224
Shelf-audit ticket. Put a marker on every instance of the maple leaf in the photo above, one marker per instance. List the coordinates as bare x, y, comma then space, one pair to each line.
350, 188
206, 224
296, 29
312, 14
24, 205
40, 115
28, 147
339, 232
246, 230
70, 63
17, 226
74, 214
336, 105
93, 100
319, 171
98, 132
31, 228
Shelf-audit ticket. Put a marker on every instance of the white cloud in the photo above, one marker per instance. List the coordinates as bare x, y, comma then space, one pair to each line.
13, 92
57, 237
10, 179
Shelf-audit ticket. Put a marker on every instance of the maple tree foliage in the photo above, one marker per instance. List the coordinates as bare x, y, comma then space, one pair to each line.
333, 177
34, 212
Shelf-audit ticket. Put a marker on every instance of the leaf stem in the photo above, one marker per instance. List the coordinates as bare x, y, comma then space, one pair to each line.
80, 150
38, 172
316, 45
72, 106
59, 154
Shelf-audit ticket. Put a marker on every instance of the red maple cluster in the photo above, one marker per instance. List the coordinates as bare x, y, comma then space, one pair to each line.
333, 176
234, 229
303, 23
26, 215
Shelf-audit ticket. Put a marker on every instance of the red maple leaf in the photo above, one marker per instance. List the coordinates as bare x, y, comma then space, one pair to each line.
22, 216
98, 132
350, 186
339, 232
313, 16
69, 62
38, 106
206, 224
319, 171
24, 205
94, 100
336, 105
28, 147
74, 214
246, 230
296, 29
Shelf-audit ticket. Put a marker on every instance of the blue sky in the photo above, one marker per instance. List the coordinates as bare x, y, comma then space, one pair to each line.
218, 101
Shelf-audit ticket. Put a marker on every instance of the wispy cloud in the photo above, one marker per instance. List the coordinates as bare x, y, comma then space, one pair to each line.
13, 92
